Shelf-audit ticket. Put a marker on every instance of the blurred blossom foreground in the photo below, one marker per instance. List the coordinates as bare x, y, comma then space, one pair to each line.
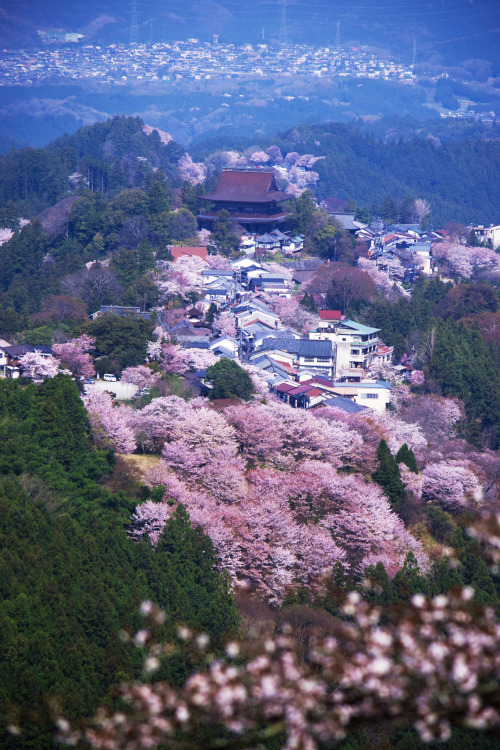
434, 665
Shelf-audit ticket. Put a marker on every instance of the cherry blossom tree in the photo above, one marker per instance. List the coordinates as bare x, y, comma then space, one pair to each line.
259, 157
381, 278
38, 366
225, 324
275, 155
110, 424
180, 278
451, 484
396, 432
417, 377
74, 355
435, 416
219, 262
149, 519
152, 424
292, 314
141, 376
173, 359
463, 261
200, 359
204, 237
190, 171
258, 377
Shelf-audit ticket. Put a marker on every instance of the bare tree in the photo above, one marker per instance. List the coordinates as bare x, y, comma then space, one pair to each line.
96, 285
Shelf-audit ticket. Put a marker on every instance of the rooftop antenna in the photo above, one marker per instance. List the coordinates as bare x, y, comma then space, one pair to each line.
134, 34
337, 36
283, 40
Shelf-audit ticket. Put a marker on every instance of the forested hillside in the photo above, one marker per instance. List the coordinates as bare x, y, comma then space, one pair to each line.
71, 579
333, 545
456, 177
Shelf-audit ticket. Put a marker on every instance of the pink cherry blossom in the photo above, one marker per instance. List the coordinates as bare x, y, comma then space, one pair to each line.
110, 424
451, 484
74, 355
141, 376
38, 366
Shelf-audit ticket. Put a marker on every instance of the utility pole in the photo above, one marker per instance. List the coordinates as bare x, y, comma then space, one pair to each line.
134, 34
414, 55
283, 30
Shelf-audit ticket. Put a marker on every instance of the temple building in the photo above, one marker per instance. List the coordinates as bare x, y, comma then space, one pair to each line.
252, 198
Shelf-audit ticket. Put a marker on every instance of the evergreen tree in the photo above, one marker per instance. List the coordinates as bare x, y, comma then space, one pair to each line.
388, 210
229, 380
406, 456
224, 236
473, 240
388, 476
308, 303
211, 313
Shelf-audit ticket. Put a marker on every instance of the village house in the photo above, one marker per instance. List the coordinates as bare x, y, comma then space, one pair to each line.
11, 354
484, 234
308, 391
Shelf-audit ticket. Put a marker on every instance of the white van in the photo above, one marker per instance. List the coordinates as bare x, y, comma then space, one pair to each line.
109, 377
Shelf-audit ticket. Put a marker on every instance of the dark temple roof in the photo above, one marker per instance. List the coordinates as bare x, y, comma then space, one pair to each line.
250, 186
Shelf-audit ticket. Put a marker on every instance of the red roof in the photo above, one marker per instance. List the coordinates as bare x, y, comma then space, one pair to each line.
330, 315
182, 252
257, 186
298, 390
313, 392
285, 387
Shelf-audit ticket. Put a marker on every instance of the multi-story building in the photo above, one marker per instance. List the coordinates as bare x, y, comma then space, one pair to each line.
488, 233
355, 344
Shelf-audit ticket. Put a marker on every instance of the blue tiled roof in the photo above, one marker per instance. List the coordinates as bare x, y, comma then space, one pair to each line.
341, 402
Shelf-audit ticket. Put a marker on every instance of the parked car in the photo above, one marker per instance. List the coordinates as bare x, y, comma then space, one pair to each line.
109, 377
88, 381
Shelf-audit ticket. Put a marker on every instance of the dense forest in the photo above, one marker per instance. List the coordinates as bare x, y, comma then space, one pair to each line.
71, 579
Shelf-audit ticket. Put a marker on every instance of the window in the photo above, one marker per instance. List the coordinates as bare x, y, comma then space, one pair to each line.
369, 395
354, 351
309, 359
322, 359
355, 338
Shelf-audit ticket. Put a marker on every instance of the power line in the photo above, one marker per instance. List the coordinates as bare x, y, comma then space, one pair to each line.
134, 31
283, 37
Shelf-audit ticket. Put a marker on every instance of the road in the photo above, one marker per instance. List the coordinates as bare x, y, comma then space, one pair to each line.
121, 388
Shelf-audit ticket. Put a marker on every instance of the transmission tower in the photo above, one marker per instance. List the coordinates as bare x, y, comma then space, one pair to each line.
337, 36
283, 30
134, 33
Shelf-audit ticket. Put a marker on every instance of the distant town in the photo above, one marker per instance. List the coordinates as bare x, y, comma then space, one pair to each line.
191, 59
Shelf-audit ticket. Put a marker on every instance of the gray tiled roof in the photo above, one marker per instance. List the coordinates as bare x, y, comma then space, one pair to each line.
315, 348
341, 402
